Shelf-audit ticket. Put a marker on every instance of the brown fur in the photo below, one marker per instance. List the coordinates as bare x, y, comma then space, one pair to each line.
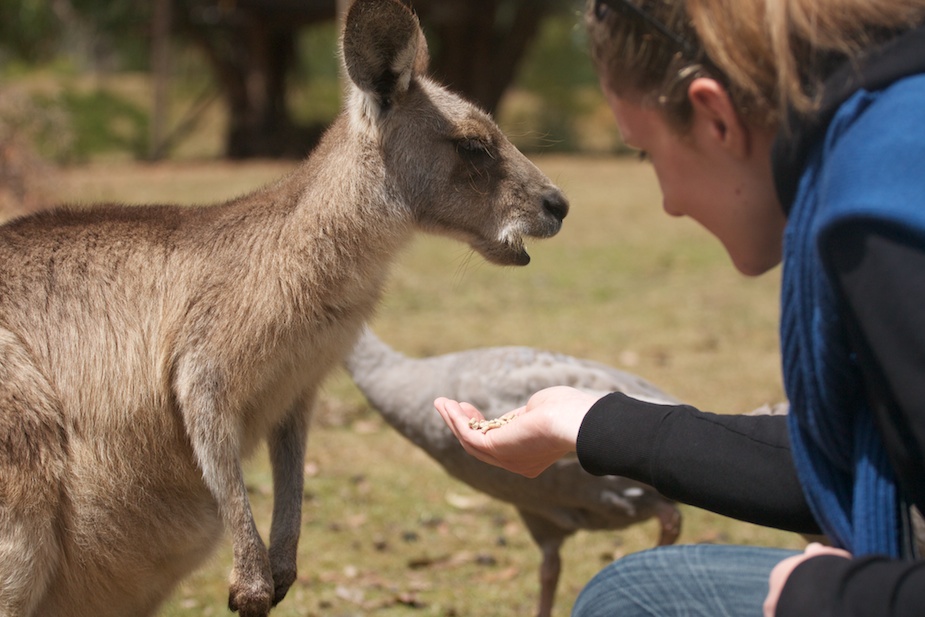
145, 352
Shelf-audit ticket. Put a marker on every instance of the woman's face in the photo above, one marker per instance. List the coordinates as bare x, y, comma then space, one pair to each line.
719, 174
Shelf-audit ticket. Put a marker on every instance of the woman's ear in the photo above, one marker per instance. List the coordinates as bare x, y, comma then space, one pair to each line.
715, 117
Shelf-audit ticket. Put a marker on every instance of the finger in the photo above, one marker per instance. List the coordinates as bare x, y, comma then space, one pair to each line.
454, 408
457, 416
769, 607
443, 406
814, 548
471, 411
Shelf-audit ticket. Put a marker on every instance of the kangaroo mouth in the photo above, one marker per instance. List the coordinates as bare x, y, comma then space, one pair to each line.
514, 254
509, 249
504, 254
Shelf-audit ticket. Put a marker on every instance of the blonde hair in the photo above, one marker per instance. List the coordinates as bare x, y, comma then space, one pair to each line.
770, 54
636, 62
782, 50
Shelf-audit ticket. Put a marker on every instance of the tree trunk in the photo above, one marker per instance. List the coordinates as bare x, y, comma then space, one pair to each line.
160, 70
477, 46
482, 43
252, 56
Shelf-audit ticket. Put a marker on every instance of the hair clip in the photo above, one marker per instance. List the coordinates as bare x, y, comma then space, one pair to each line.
601, 8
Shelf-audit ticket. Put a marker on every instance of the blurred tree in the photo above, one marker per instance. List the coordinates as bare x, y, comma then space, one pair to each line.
28, 30
251, 47
99, 32
477, 46
558, 71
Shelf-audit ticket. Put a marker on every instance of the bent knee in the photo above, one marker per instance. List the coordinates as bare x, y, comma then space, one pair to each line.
615, 590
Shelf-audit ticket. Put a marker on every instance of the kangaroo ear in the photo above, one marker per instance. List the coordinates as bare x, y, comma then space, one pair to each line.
383, 47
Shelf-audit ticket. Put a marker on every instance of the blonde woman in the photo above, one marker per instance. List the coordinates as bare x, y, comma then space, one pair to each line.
794, 131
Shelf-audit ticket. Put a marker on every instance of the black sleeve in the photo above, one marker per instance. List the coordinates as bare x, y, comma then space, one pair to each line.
880, 273
735, 465
866, 587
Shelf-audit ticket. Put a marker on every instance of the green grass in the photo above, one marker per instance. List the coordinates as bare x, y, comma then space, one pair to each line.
385, 531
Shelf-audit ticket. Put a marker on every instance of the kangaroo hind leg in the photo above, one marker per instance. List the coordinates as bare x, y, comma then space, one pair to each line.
32, 467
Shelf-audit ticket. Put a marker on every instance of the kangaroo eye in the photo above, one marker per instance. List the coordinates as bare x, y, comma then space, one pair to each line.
473, 145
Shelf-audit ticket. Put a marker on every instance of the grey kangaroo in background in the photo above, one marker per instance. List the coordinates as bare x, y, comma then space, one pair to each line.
146, 351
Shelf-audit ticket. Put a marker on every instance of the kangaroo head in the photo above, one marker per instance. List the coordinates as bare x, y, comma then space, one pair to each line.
444, 158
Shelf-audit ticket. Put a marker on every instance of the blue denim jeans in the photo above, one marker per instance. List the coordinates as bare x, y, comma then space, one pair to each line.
698, 580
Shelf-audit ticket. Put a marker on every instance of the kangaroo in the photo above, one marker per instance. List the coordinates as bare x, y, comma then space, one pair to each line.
146, 351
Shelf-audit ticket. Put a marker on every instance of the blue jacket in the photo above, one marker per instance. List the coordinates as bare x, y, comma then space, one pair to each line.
869, 169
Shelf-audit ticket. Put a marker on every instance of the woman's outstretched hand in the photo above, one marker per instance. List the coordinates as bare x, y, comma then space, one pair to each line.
539, 433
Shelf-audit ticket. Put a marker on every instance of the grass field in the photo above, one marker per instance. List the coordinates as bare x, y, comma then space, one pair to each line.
385, 531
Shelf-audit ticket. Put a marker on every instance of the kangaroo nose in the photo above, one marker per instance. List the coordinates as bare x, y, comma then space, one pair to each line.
555, 203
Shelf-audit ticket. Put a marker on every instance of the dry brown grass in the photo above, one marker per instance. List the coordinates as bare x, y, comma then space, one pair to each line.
385, 531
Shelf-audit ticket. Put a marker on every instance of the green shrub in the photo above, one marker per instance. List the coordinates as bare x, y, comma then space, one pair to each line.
101, 122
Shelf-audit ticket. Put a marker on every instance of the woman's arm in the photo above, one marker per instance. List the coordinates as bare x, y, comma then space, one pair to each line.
739, 466
735, 465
